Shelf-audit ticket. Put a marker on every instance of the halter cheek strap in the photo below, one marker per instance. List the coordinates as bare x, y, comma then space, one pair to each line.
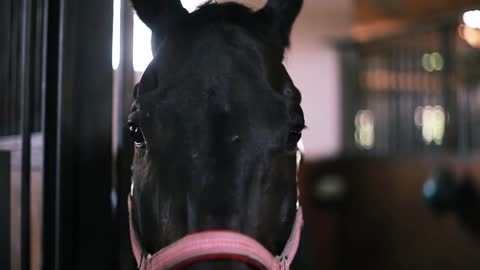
216, 245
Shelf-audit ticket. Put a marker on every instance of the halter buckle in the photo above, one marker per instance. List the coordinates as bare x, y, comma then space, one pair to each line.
283, 262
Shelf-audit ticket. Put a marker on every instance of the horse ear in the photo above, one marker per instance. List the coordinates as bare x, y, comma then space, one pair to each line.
281, 15
154, 13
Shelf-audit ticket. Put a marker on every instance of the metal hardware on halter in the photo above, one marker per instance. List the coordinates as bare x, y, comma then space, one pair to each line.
283, 262
300, 150
299, 157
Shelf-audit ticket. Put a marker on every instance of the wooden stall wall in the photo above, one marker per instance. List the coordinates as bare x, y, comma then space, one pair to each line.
373, 18
383, 221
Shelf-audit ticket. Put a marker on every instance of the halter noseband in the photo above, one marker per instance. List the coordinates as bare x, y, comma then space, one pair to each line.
214, 245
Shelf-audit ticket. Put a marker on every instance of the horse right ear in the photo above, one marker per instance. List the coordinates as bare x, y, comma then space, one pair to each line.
156, 13
281, 15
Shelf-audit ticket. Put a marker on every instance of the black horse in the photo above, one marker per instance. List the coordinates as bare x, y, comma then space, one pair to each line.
216, 120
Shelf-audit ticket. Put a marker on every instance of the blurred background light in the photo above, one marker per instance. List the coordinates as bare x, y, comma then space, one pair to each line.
191, 5
436, 61
472, 18
364, 129
426, 62
432, 62
431, 120
117, 9
142, 50
470, 35
470, 30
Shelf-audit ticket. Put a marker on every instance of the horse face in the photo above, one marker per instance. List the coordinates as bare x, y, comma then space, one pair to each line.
215, 121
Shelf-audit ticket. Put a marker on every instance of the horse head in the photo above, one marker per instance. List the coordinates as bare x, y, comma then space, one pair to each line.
215, 119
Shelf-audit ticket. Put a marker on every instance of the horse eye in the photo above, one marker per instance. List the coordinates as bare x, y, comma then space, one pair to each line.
136, 135
293, 137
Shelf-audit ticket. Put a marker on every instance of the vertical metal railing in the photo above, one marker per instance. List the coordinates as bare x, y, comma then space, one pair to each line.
14, 25
5, 158
77, 215
24, 88
50, 116
20, 108
123, 97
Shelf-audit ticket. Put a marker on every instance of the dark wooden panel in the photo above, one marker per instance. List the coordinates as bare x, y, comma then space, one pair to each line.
377, 18
367, 11
384, 222
5, 210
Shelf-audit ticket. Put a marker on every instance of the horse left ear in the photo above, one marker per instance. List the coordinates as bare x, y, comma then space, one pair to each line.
281, 15
156, 13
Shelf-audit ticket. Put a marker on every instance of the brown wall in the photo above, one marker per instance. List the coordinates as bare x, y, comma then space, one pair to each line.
367, 11
384, 224
373, 18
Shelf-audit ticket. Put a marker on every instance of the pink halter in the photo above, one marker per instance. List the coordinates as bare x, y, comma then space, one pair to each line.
214, 245
211, 245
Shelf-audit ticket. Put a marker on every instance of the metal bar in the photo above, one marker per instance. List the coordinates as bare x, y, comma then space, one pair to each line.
25, 89
11, 103
123, 152
63, 190
5, 33
36, 64
50, 59
123, 86
90, 62
350, 88
449, 97
79, 214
